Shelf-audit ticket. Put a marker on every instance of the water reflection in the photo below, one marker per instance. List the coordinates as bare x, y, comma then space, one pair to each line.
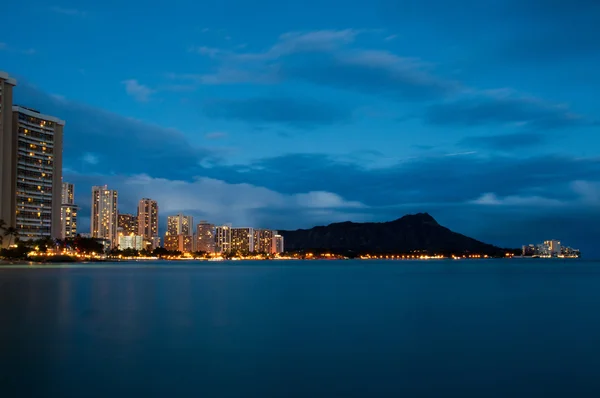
299, 332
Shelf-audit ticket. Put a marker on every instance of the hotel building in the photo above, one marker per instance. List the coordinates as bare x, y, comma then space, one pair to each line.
7, 152
242, 240
30, 167
223, 239
180, 225
68, 212
180, 242
263, 241
104, 214
205, 237
135, 242
278, 244
127, 224
147, 219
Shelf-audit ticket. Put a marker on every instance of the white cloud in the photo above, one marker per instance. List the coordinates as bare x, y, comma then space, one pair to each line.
491, 199
138, 91
224, 202
390, 37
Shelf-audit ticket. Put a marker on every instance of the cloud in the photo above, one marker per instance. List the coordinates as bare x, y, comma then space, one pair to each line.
502, 107
138, 91
231, 75
90, 158
390, 37
216, 135
323, 57
216, 200
3, 46
68, 11
589, 191
374, 72
506, 142
491, 199
301, 113
303, 42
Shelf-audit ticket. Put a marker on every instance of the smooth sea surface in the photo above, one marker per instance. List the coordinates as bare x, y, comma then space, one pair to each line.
493, 328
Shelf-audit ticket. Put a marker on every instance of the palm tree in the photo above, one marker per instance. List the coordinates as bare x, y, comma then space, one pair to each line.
11, 232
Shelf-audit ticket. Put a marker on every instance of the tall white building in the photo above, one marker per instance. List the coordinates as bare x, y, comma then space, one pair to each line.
104, 214
68, 212
223, 238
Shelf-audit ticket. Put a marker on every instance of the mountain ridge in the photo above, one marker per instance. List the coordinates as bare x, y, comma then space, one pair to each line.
409, 233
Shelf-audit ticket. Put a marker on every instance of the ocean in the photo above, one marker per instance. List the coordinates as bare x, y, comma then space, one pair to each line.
478, 328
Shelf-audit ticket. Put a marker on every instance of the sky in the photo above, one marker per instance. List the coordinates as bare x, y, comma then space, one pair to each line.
285, 115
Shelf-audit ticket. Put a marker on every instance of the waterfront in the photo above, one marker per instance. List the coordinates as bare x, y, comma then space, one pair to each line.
471, 328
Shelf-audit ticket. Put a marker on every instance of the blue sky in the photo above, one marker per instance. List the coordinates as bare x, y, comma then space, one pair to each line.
290, 114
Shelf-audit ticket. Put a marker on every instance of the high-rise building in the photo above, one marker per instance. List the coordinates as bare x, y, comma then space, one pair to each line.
181, 243
31, 168
263, 241
205, 237
180, 225
127, 224
242, 240
104, 214
68, 211
7, 156
147, 219
278, 243
223, 239
68, 193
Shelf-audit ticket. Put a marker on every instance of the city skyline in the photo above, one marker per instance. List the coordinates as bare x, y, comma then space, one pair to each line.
490, 121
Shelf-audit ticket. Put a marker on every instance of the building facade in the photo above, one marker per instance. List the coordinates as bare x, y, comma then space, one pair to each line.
7, 153
135, 242
32, 173
242, 240
205, 237
147, 219
181, 243
263, 241
223, 239
68, 211
180, 225
104, 214
278, 245
127, 224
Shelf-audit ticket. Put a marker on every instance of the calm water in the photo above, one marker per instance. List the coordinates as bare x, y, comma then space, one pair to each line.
311, 329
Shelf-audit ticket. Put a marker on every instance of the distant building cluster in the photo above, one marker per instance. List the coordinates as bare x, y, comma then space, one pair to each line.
548, 249
219, 239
